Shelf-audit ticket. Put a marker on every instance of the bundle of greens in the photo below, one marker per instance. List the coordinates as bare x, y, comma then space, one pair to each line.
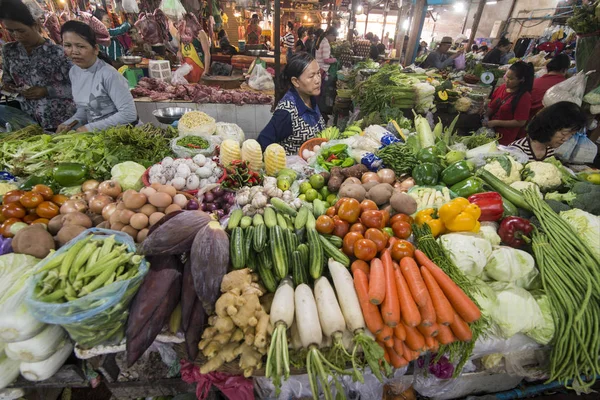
398, 157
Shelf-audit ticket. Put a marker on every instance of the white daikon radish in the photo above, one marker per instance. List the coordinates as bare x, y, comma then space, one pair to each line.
307, 317
295, 341
39, 347
43, 370
9, 371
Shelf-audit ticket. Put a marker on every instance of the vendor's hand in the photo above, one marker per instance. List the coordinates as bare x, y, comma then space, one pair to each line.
66, 127
35, 93
82, 129
491, 124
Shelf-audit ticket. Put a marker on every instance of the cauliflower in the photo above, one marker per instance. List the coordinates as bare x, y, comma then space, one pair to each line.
522, 185
543, 174
504, 168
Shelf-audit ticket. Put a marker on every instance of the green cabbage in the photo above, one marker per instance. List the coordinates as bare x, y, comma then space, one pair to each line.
515, 310
587, 225
129, 175
512, 265
469, 252
489, 231
543, 334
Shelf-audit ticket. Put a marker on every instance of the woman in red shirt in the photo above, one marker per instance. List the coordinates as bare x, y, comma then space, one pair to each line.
508, 110
557, 68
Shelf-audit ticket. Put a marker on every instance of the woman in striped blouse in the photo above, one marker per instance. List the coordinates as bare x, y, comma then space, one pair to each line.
549, 129
288, 39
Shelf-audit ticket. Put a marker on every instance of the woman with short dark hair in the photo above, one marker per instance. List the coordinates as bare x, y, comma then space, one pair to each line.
557, 69
35, 67
297, 117
549, 129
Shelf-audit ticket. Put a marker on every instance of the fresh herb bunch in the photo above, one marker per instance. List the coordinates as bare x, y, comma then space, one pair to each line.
475, 140
398, 157
193, 142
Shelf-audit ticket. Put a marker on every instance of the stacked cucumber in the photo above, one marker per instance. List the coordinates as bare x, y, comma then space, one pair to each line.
281, 242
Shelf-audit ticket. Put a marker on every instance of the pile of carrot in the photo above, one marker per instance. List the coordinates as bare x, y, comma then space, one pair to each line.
412, 307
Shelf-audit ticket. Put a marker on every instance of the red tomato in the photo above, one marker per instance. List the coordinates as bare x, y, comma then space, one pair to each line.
402, 229
365, 249
324, 224
47, 209
368, 205
358, 227
349, 241
13, 210
339, 203
378, 237
331, 212
31, 199
12, 197
340, 227
401, 217
401, 249
372, 219
44, 190
349, 210
386, 216
29, 218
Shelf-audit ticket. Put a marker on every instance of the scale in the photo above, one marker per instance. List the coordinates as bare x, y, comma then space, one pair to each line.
487, 78
130, 71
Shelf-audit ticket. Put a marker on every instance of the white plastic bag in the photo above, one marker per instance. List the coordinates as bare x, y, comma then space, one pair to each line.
460, 62
172, 9
130, 6
178, 77
187, 152
260, 79
573, 90
579, 149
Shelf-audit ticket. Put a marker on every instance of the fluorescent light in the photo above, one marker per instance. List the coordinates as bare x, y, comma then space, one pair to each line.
359, 9
489, 3
405, 24
459, 6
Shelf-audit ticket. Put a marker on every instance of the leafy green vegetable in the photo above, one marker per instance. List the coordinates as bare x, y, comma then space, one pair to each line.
587, 225
193, 142
475, 140
398, 157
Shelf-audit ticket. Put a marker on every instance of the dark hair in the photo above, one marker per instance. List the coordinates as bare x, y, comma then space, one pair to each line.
99, 14
301, 31
474, 47
87, 33
311, 31
484, 48
369, 36
558, 116
221, 34
525, 72
290, 25
503, 42
254, 16
295, 66
561, 62
15, 10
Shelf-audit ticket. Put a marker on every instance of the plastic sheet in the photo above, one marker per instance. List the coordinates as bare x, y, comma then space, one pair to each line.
101, 316
178, 77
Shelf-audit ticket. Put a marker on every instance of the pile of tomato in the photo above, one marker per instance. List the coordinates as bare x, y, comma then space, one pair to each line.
366, 230
37, 206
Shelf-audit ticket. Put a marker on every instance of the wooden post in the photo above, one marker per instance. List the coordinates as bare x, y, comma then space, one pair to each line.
415, 28
352, 20
386, 8
399, 36
276, 28
367, 18
466, 17
476, 20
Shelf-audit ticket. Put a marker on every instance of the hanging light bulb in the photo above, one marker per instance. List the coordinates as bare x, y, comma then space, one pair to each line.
305, 17
359, 9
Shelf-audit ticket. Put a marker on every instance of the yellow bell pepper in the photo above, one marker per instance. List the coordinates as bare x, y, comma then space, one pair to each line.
427, 216
460, 216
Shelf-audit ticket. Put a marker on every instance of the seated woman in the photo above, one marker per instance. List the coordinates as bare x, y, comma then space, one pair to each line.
100, 92
297, 117
550, 128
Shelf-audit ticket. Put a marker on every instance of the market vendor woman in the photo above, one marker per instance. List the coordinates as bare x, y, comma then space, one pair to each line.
100, 92
297, 117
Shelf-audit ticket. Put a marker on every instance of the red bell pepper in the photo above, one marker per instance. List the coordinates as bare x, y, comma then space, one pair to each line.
490, 204
515, 231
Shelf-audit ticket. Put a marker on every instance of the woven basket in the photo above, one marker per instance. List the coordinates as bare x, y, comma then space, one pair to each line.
310, 144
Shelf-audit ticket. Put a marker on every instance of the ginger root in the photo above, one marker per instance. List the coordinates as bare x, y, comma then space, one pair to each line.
227, 354
260, 336
250, 359
236, 279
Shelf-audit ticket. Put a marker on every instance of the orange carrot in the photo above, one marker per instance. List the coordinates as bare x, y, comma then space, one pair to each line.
417, 287
445, 335
414, 339
396, 360
461, 303
400, 332
408, 354
436, 346
443, 310
385, 334
461, 329
429, 342
370, 311
376, 282
428, 331
408, 307
428, 317
389, 342
398, 347
386, 354
390, 308
360, 264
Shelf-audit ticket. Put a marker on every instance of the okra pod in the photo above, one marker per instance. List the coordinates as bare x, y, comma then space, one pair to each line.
53, 263
70, 257
52, 297
93, 258
110, 280
81, 259
100, 265
101, 279
69, 291
107, 245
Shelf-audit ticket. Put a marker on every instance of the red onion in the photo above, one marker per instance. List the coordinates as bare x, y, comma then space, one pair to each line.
203, 207
209, 197
218, 192
210, 206
192, 205
229, 197
219, 213
226, 208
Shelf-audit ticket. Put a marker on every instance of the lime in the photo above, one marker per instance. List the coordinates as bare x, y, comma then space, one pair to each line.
593, 178
311, 194
302, 197
283, 184
324, 192
319, 196
332, 198
305, 186
317, 181
326, 204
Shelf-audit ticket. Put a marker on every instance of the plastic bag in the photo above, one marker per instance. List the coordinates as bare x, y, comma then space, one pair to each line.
172, 9
101, 316
579, 149
227, 130
130, 6
571, 90
460, 62
593, 96
178, 77
187, 152
260, 79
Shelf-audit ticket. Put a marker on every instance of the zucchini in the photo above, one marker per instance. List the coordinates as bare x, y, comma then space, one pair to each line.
290, 245
259, 239
236, 248
234, 219
270, 217
299, 274
257, 220
332, 251
251, 261
281, 221
248, 234
303, 249
268, 279
264, 259
283, 207
300, 220
315, 267
246, 222
335, 240
278, 252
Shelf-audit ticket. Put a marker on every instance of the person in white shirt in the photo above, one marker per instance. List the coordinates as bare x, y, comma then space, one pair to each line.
323, 48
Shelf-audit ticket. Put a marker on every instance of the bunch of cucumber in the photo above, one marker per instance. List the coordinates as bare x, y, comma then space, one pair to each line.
281, 242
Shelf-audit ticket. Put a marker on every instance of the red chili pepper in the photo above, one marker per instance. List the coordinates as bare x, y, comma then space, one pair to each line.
490, 204
515, 231
332, 157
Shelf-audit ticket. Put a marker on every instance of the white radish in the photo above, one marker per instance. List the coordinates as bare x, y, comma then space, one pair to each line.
330, 316
295, 341
348, 299
326, 342
307, 317
282, 307
281, 317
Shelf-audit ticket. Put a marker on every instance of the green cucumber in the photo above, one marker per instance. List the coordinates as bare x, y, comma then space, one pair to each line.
248, 236
236, 248
246, 222
264, 259
278, 251
299, 274
316, 254
335, 240
300, 220
318, 208
281, 221
270, 217
234, 219
304, 252
268, 279
259, 240
331, 251
257, 220
283, 207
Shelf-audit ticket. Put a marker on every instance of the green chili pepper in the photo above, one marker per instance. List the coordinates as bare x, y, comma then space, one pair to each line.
468, 187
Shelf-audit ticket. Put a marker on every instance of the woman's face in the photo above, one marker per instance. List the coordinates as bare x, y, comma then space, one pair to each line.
106, 21
309, 83
511, 80
79, 50
26, 35
560, 137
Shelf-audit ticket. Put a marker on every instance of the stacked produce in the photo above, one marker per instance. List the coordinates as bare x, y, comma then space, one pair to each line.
185, 174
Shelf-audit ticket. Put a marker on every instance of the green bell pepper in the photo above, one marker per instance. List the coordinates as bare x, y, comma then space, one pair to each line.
457, 172
468, 187
348, 162
70, 174
509, 208
426, 174
39, 180
429, 154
